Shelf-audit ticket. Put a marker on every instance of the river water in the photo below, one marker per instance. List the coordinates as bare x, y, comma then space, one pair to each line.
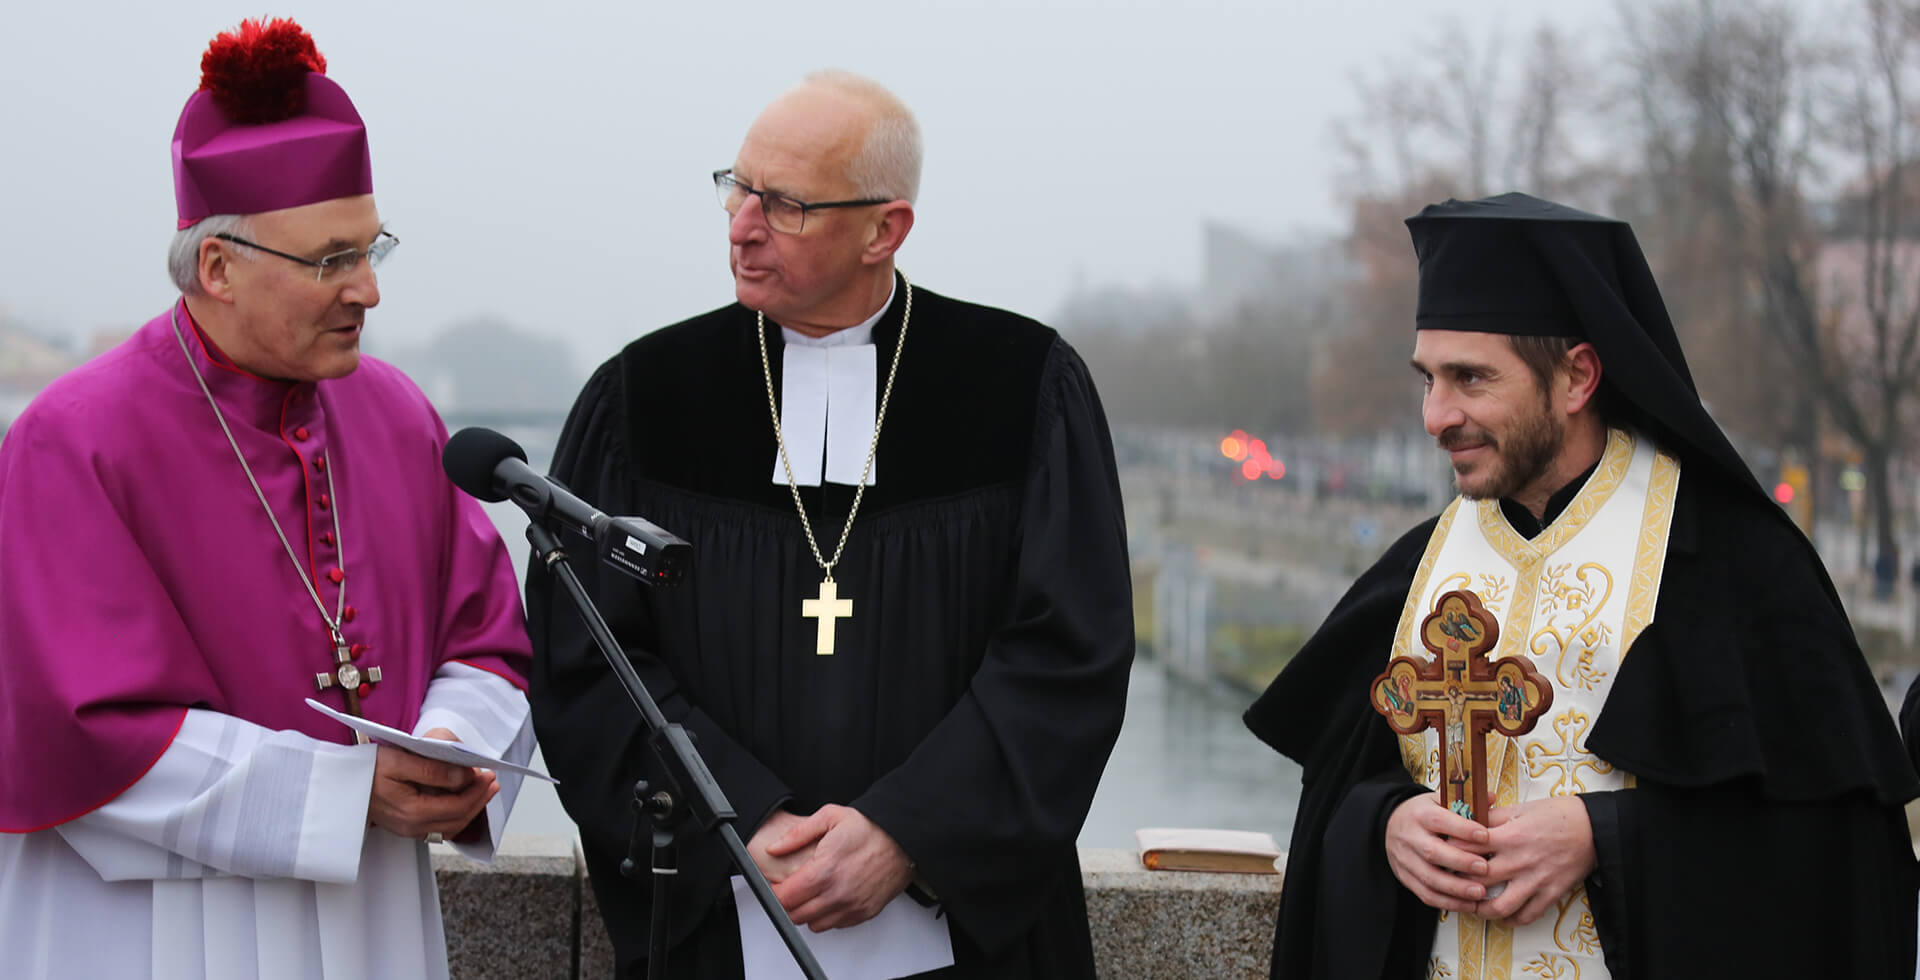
1183, 758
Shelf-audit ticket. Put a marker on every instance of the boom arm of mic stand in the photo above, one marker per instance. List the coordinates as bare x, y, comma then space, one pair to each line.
691, 781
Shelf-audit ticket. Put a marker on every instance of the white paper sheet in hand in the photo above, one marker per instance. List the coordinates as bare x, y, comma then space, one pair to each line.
904, 939
432, 748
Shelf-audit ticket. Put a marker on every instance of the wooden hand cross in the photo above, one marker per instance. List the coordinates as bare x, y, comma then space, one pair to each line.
1462, 695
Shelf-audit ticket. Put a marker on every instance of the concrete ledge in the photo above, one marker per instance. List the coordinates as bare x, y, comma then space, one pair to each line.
532, 914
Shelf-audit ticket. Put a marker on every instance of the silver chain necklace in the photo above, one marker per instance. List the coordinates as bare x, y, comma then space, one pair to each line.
827, 606
349, 677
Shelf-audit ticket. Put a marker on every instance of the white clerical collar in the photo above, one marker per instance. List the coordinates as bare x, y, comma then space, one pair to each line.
859, 333
828, 400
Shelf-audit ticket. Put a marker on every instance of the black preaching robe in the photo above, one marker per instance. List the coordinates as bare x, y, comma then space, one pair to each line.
973, 696
1910, 721
1764, 836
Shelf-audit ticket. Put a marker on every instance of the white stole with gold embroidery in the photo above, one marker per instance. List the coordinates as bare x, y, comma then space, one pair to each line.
1572, 600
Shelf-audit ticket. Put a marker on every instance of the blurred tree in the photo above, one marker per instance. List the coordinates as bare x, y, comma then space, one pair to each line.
1865, 337
1456, 121
1720, 106
1361, 382
1738, 103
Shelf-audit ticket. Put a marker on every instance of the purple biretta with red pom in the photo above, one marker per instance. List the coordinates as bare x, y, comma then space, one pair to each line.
267, 129
228, 514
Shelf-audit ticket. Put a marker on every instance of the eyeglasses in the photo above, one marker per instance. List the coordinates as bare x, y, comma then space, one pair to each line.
784, 214
336, 266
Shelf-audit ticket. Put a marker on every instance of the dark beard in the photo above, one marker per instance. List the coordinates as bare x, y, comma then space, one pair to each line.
1524, 455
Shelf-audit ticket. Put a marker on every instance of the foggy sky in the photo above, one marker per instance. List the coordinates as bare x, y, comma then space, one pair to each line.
547, 162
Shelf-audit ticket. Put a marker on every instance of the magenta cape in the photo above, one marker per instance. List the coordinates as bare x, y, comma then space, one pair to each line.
139, 575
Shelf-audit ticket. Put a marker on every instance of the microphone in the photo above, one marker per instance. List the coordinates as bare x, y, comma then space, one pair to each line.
492, 467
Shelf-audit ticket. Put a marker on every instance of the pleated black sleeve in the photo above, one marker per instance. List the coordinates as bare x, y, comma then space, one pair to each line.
1910, 721
1002, 784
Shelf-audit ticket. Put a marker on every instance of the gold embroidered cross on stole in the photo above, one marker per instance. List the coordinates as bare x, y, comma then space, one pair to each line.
354, 682
1462, 695
826, 607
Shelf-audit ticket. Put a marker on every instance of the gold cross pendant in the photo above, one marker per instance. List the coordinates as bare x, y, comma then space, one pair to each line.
826, 607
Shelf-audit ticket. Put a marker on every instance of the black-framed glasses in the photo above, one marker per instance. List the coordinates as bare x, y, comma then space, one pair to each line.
337, 265
784, 214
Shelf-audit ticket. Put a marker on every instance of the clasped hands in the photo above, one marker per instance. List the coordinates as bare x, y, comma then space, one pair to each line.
833, 869
1540, 850
414, 796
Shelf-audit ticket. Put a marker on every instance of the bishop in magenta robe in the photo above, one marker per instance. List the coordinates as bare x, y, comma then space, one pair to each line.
226, 515
162, 780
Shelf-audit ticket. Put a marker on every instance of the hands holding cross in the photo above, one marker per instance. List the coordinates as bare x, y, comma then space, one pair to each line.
1521, 859
1540, 850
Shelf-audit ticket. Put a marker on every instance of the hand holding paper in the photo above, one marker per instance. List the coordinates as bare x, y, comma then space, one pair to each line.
414, 796
432, 748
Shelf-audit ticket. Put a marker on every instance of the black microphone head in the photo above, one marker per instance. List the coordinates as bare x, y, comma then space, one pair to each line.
471, 457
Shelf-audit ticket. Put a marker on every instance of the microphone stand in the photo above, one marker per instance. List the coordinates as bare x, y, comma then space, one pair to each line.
690, 797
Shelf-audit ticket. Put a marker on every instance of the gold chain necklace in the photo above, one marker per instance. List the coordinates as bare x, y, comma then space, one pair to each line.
353, 681
827, 606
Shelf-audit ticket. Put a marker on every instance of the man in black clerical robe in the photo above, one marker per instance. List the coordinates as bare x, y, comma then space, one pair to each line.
1762, 833
949, 745
1910, 725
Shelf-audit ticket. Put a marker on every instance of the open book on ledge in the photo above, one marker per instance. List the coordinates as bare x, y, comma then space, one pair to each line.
1204, 849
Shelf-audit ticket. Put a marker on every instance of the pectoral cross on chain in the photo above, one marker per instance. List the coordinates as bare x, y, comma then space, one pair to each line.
354, 683
1462, 695
826, 607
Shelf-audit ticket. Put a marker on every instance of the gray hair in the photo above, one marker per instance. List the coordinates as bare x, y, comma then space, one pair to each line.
183, 255
888, 165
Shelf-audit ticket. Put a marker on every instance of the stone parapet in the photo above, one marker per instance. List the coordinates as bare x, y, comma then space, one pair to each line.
518, 917
1174, 925
531, 914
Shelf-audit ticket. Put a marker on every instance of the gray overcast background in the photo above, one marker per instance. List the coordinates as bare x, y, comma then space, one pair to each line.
547, 163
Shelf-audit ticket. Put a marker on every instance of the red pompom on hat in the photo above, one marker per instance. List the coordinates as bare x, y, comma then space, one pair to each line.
267, 130
258, 72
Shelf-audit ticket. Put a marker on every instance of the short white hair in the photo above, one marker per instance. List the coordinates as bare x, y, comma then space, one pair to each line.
888, 164
183, 255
